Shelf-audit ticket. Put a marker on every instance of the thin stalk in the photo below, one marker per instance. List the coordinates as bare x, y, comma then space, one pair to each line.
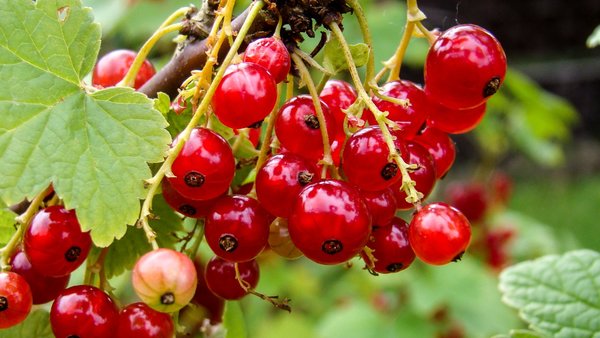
366, 33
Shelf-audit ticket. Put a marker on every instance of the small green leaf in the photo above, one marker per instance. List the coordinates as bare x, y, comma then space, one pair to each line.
162, 103
37, 325
557, 295
233, 320
7, 225
335, 61
93, 148
594, 39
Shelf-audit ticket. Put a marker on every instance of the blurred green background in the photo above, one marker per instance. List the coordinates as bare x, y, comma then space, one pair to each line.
542, 130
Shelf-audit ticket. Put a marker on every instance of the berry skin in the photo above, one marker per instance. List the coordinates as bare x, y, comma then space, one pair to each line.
424, 176
246, 95
272, 54
470, 198
164, 279
280, 241
112, 67
330, 222
439, 234
185, 206
237, 228
205, 166
454, 121
15, 299
338, 95
298, 128
464, 67
43, 288
54, 242
381, 205
83, 311
409, 119
212, 304
390, 246
280, 180
366, 163
440, 146
140, 321
221, 277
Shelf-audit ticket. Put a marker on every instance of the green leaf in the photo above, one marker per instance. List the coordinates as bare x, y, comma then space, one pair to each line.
92, 147
594, 39
233, 320
37, 325
335, 61
7, 225
162, 103
557, 295
520, 334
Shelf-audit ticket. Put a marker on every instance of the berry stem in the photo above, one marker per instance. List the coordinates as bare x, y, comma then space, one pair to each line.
305, 76
282, 304
199, 232
367, 38
22, 221
165, 168
129, 78
311, 62
408, 185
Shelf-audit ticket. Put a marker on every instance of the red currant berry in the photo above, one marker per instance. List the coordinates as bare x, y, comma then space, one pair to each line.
439, 234
330, 222
272, 54
280, 241
139, 320
381, 205
440, 146
43, 288
212, 305
339, 95
15, 299
221, 277
185, 206
366, 160
502, 187
164, 279
454, 121
245, 95
464, 67
410, 119
496, 241
112, 67
470, 198
424, 176
390, 247
205, 166
237, 228
54, 242
298, 128
280, 180
83, 311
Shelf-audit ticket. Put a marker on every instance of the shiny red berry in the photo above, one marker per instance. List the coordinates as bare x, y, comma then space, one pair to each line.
381, 205
464, 67
455, 121
366, 160
440, 146
390, 247
15, 299
112, 67
330, 222
221, 277
424, 175
339, 95
246, 95
237, 228
54, 242
272, 54
298, 128
83, 311
280, 180
410, 119
43, 288
164, 279
186, 206
205, 166
439, 234
141, 321
211, 304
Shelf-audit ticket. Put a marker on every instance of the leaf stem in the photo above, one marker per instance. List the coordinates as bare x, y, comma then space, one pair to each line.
185, 134
408, 185
23, 221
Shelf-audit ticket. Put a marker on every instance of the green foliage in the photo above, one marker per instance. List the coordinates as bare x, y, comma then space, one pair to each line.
233, 321
558, 294
92, 147
520, 334
335, 61
37, 325
7, 224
